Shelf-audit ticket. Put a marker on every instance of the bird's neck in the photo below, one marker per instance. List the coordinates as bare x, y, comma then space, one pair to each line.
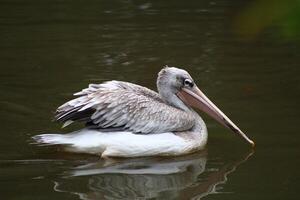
172, 99
168, 94
199, 123
199, 128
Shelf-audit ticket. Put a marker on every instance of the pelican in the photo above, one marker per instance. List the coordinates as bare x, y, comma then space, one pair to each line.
127, 120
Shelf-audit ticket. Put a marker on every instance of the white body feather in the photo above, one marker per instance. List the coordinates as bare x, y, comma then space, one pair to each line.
127, 144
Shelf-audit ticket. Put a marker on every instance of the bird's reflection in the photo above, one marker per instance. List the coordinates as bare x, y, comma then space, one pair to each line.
189, 177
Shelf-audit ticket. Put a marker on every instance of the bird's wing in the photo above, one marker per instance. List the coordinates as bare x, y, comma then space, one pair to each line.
122, 104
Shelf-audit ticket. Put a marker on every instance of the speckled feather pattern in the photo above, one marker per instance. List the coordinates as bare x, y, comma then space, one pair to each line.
122, 104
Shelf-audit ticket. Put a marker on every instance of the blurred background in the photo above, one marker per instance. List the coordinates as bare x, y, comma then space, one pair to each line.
244, 54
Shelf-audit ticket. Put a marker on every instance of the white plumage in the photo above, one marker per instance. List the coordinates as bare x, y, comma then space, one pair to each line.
126, 144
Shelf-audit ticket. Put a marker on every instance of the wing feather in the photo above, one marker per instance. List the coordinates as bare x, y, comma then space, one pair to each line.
123, 104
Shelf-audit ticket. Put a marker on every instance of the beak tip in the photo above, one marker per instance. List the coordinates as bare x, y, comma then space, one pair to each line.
252, 143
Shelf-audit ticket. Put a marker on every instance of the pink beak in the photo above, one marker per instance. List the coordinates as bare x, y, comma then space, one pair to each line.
196, 98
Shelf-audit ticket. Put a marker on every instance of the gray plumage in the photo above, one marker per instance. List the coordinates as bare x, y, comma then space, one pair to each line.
126, 105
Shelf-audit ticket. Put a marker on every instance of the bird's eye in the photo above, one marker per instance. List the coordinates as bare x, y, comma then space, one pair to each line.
188, 82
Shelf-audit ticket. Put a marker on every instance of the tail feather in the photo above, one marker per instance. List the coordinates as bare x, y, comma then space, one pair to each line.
51, 139
83, 141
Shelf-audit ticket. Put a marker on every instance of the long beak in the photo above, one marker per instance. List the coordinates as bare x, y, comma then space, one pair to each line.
196, 98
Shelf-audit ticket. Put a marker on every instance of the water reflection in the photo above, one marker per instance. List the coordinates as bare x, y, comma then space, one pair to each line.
146, 178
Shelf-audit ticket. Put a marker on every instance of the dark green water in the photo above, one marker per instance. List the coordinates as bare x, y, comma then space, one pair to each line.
51, 49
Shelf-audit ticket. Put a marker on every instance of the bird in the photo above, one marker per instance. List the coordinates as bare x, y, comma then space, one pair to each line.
123, 119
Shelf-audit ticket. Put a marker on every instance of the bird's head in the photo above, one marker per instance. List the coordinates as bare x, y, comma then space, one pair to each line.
177, 87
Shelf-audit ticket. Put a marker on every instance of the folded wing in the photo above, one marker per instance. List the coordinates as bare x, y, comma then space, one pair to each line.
124, 105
